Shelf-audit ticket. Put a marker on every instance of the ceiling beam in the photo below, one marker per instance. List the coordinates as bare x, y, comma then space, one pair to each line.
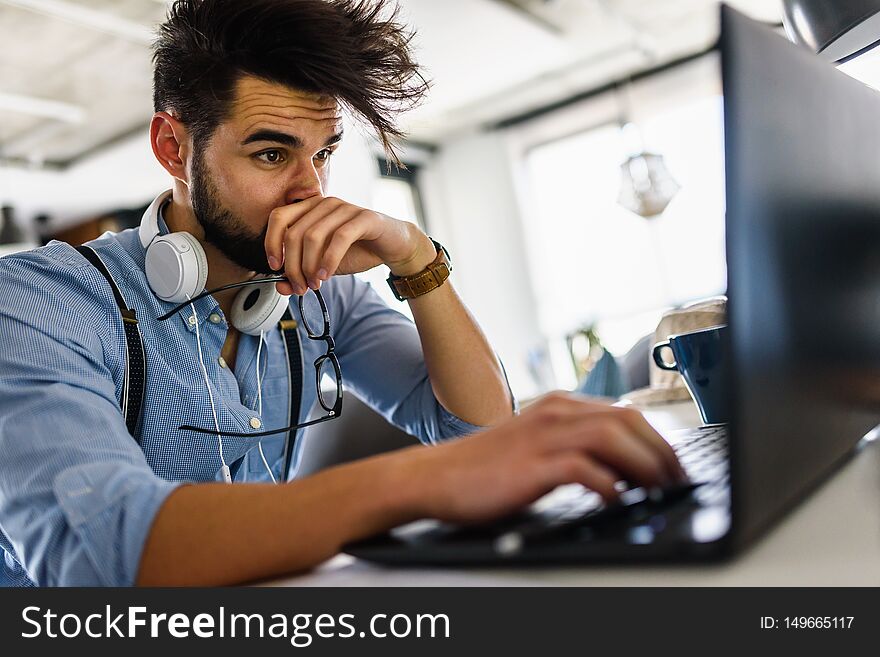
531, 16
601, 89
47, 109
88, 18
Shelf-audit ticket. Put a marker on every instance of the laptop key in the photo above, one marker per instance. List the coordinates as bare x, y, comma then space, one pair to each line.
632, 500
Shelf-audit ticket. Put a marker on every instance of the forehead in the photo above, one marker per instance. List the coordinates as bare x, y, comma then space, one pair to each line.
260, 104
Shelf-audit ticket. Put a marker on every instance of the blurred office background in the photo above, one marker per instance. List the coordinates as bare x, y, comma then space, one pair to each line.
514, 162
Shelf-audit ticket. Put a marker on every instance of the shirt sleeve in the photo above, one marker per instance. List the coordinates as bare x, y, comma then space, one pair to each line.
77, 497
381, 358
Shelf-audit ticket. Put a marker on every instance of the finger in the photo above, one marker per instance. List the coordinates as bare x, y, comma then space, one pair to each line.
646, 431
563, 404
576, 468
279, 220
292, 262
359, 228
643, 430
613, 443
285, 288
294, 247
571, 402
317, 238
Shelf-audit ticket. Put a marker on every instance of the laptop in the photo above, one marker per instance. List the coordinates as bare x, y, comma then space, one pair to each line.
803, 230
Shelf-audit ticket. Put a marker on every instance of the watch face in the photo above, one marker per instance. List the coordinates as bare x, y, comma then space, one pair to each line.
393, 286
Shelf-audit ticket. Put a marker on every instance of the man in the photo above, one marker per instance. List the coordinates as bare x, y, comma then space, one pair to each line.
248, 98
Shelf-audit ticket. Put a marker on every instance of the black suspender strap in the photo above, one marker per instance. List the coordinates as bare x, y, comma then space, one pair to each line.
293, 349
133, 383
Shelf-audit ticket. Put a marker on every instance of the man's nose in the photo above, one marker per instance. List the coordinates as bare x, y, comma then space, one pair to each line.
305, 183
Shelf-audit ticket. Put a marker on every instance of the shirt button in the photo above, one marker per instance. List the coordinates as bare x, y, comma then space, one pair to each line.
222, 362
192, 320
255, 422
214, 318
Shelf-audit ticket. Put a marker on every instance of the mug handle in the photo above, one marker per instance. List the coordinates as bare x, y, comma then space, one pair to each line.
658, 358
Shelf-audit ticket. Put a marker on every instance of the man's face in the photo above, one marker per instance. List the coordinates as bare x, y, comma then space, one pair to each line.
273, 150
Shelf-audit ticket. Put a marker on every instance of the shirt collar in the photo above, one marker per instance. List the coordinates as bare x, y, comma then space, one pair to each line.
205, 308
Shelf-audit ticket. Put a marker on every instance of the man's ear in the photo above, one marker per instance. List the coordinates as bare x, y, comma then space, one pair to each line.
171, 144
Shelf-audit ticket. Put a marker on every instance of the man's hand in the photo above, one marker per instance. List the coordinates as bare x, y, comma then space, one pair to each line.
323, 236
559, 439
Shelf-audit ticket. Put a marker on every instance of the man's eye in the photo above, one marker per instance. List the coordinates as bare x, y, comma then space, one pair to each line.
324, 155
270, 157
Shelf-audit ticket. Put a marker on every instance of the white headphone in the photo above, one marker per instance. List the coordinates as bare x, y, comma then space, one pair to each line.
177, 271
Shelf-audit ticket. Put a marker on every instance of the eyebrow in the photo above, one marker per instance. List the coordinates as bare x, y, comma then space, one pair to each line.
283, 138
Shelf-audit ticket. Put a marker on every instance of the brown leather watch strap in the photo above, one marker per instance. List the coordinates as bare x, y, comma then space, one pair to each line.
430, 278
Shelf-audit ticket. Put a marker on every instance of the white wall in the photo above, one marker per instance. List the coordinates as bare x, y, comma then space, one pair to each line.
124, 175
471, 204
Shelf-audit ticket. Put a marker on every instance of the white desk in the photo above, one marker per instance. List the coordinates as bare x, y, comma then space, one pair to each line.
831, 539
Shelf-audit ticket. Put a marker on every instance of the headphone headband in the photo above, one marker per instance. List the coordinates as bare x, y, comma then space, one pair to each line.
149, 228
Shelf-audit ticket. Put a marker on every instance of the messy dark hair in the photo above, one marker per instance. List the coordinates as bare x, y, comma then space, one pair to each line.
354, 51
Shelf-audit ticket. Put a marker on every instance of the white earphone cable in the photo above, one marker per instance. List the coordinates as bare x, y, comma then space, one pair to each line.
265, 462
227, 475
259, 378
260, 407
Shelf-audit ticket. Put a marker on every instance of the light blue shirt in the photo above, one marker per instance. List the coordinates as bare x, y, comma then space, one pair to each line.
78, 494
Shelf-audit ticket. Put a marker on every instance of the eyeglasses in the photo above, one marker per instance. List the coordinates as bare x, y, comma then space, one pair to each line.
312, 322
316, 321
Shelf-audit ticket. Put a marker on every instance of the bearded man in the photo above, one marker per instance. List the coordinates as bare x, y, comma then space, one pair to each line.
137, 384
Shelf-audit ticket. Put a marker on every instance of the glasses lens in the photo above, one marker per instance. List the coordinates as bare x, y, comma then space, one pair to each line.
329, 384
313, 315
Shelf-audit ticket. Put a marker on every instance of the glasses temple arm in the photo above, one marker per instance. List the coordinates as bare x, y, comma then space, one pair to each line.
257, 281
213, 432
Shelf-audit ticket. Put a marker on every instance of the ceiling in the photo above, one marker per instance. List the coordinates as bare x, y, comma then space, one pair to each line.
75, 75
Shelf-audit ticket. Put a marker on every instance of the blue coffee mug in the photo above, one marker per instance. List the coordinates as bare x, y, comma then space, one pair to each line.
701, 359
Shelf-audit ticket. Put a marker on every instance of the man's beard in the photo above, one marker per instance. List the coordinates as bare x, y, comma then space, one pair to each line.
223, 229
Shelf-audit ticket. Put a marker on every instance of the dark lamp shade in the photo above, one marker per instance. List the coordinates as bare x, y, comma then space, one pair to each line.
837, 30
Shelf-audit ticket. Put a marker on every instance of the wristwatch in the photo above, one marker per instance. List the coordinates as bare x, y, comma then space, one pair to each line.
430, 278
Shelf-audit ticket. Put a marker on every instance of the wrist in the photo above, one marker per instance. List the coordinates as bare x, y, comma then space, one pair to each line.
421, 256
406, 484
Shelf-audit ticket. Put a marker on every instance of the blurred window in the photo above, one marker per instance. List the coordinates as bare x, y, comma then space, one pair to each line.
595, 262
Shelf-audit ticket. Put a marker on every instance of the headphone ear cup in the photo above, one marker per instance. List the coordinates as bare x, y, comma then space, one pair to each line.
177, 268
258, 308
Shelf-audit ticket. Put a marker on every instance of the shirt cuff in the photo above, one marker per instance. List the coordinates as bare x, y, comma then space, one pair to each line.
453, 426
109, 507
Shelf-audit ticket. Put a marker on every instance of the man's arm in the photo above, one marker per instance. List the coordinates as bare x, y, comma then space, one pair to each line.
322, 237
465, 374
77, 496
217, 534
210, 534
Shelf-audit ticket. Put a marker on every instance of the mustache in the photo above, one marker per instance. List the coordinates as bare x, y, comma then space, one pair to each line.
242, 247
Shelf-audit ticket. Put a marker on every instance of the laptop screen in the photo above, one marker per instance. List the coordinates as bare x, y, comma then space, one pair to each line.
802, 157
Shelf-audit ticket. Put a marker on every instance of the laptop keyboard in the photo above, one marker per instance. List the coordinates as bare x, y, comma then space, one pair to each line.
701, 451
704, 456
